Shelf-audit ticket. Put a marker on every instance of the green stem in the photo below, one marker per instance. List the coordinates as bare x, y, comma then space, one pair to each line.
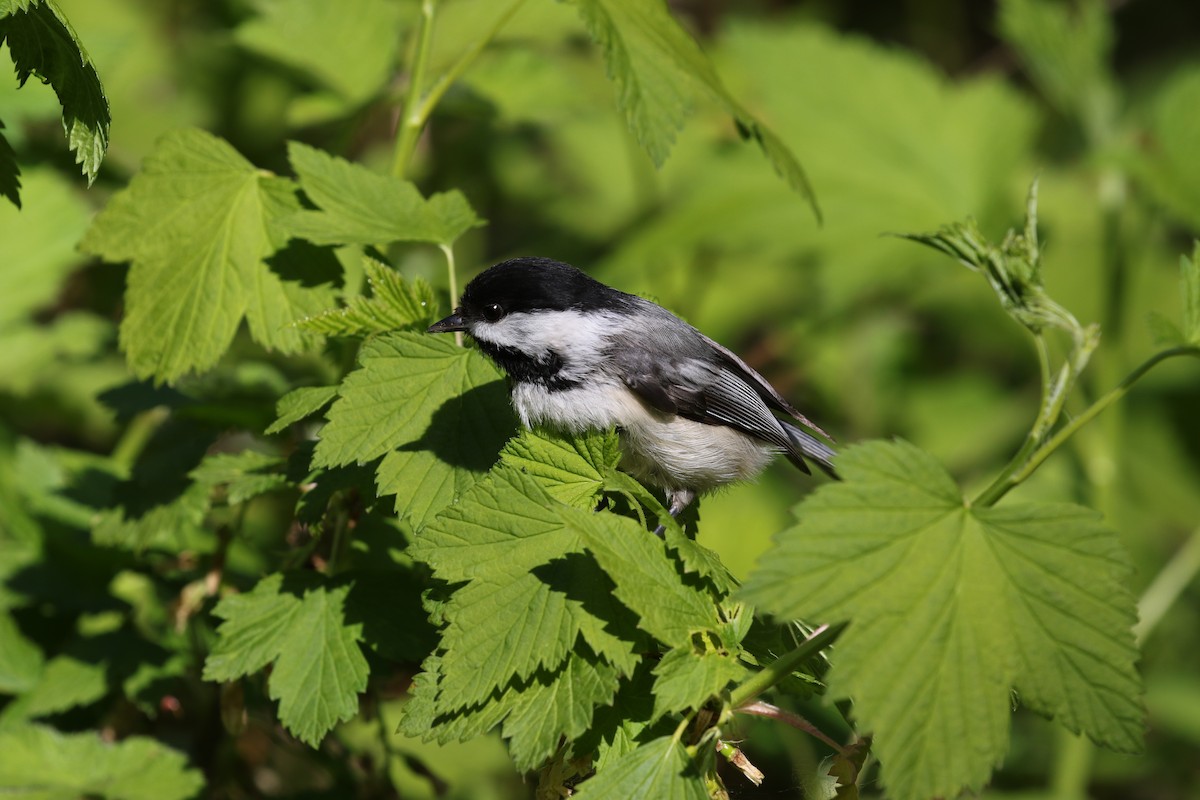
1017, 473
1072, 766
136, 436
1166, 587
418, 104
411, 121
443, 84
452, 282
783, 666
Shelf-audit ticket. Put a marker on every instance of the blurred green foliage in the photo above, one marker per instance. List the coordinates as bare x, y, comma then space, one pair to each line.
112, 559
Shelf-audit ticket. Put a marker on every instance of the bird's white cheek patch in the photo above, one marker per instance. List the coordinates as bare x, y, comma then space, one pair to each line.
576, 336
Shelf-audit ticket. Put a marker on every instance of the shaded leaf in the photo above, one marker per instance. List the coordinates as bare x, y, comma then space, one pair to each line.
436, 412
300, 627
685, 679
42, 762
299, 404
43, 44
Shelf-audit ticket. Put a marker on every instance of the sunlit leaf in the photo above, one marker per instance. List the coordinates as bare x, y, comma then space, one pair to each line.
952, 608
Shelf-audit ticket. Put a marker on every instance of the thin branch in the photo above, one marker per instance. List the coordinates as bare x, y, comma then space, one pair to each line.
760, 709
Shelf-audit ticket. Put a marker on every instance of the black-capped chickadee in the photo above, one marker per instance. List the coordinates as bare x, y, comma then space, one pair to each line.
582, 356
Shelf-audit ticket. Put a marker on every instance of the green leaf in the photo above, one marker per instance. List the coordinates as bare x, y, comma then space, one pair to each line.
43, 44
659, 769
1066, 50
20, 659
394, 304
65, 682
686, 679
39, 249
349, 47
498, 629
299, 404
506, 524
319, 669
554, 706
647, 580
359, 206
1167, 167
572, 469
245, 475
935, 150
436, 412
658, 69
198, 223
174, 526
44, 763
951, 609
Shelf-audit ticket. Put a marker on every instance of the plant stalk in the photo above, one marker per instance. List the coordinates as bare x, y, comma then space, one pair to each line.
443, 84
411, 120
1166, 587
1021, 468
783, 666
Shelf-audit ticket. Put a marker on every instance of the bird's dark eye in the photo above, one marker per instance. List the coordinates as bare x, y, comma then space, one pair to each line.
493, 312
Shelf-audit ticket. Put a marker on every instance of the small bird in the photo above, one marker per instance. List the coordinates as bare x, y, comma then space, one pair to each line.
580, 356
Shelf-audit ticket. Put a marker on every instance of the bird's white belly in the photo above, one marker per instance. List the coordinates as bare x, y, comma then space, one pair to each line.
660, 448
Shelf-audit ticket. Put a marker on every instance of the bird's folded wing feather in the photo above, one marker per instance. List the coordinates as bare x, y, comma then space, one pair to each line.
704, 392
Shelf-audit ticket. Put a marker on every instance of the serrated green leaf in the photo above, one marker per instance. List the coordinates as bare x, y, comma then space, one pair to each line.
394, 304
197, 223
699, 559
436, 412
20, 659
44, 763
572, 469
557, 705
659, 769
658, 70
505, 525
424, 718
319, 669
349, 47
647, 581
685, 679
359, 206
245, 475
498, 629
952, 608
43, 44
300, 403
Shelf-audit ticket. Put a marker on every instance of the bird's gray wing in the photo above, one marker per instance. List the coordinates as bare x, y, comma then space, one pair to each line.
765, 390
704, 391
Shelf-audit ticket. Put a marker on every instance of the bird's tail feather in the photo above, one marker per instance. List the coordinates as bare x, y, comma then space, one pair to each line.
811, 448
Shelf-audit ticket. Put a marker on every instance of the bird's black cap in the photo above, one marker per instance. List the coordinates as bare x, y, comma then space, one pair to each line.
538, 284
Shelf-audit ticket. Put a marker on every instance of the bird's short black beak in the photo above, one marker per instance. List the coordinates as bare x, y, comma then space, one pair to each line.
452, 323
